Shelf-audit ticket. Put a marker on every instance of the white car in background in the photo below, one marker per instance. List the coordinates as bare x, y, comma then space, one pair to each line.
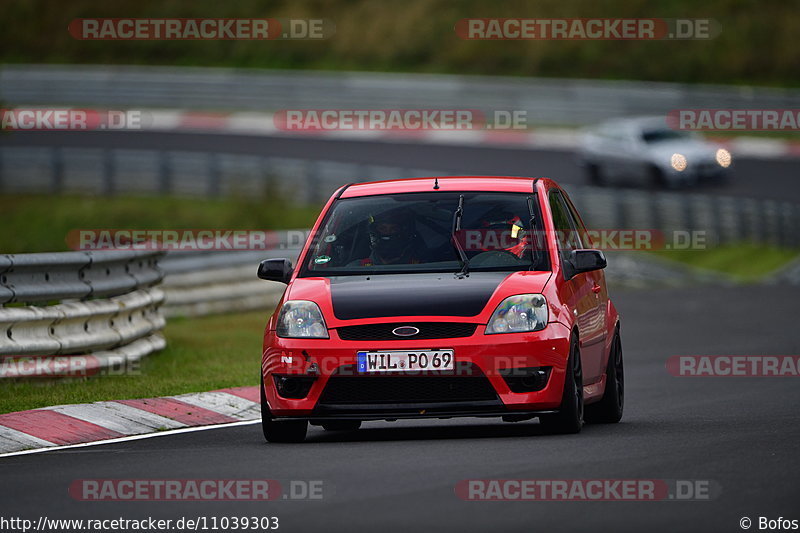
646, 151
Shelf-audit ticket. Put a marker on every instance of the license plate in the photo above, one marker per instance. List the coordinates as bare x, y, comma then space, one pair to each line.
394, 361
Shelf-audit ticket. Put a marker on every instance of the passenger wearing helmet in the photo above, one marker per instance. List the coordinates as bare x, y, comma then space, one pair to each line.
508, 230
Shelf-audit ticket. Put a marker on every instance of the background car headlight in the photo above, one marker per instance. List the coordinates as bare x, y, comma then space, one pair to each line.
678, 162
302, 320
524, 312
723, 158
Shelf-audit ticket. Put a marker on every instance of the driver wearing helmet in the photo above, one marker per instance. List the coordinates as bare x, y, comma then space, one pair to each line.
393, 240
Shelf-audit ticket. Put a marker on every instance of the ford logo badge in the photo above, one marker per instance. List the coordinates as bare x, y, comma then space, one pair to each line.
405, 331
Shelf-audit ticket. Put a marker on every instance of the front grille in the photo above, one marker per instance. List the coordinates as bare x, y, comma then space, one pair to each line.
427, 330
372, 389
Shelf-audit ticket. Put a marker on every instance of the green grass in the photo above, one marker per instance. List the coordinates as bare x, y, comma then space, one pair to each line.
40, 223
202, 354
743, 262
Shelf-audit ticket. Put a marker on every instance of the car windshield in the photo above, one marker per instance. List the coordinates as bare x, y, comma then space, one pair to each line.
661, 135
413, 232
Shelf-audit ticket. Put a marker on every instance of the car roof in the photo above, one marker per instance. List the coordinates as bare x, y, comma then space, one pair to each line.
446, 183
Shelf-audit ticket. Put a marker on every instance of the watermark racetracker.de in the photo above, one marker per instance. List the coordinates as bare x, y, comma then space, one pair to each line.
179, 240
512, 238
71, 119
199, 29
624, 29
606, 490
67, 366
183, 490
399, 119
734, 366
734, 119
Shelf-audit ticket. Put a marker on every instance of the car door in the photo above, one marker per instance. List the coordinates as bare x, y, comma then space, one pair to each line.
579, 292
594, 342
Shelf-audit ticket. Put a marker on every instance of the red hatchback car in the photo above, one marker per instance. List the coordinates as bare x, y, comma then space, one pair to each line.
439, 298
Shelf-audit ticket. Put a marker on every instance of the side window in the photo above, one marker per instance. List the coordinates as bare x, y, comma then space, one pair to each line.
566, 235
583, 235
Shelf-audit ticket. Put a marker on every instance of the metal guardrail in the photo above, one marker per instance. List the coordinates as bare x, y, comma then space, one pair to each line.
92, 170
547, 101
47, 277
725, 219
116, 361
109, 306
721, 219
81, 327
203, 283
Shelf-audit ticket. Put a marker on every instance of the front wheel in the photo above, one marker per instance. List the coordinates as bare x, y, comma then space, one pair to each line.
569, 418
280, 430
609, 409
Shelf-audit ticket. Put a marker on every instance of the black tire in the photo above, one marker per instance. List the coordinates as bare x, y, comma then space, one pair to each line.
280, 430
341, 425
569, 418
594, 174
609, 409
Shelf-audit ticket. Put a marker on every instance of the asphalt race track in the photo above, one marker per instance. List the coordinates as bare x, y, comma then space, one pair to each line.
740, 433
751, 177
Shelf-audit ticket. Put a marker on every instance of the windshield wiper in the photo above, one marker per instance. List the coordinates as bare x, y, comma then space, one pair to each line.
460, 249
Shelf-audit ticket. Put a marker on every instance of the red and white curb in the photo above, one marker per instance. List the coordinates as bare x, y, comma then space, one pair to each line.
250, 123
65, 425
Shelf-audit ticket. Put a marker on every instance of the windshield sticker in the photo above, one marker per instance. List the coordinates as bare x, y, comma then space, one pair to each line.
321, 259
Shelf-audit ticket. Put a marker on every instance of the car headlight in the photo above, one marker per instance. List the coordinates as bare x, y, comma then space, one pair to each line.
524, 312
301, 319
678, 162
723, 158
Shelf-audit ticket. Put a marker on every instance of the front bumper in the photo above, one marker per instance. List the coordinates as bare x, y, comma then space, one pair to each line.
479, 386
696, 173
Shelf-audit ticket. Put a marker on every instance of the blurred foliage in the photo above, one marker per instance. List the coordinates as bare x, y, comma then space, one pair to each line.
757, 44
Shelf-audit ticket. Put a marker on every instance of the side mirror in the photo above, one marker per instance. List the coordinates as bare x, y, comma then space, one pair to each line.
275, 270
578, 261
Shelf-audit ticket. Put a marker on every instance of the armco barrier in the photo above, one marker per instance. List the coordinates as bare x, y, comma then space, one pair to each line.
724, 219
104, 304
81, 327
546, 101
54, 170
202, 283
47, 277
120, 360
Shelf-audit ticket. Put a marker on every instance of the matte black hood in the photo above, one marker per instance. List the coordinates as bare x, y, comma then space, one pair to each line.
412, 294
